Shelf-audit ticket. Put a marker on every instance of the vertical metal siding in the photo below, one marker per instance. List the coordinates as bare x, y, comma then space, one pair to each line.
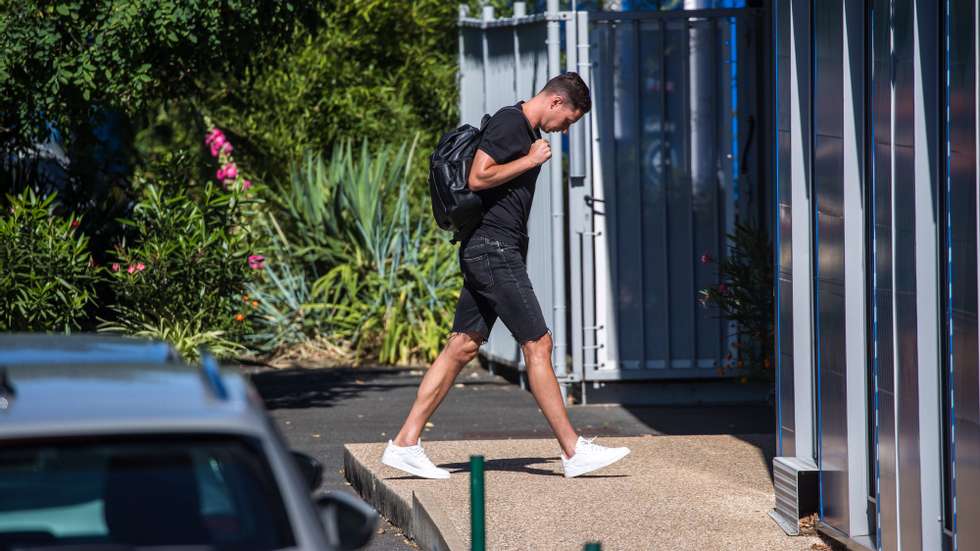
961, 224
828, 175
499, 66
783, 233
664, 151
856, 359
926, 463
883, 296
668, 86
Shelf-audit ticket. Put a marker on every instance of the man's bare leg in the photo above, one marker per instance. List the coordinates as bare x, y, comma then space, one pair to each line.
461, 348
544, 387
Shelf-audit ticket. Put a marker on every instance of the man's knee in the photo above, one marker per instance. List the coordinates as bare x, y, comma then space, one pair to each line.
540, 347
464, 346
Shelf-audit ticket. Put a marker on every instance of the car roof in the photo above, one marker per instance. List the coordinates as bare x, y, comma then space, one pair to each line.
38, 348
47, 400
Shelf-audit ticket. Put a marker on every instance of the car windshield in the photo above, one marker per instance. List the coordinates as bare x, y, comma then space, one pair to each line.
173, 493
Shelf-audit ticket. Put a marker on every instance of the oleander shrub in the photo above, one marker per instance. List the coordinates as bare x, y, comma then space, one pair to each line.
47, 277
185, 274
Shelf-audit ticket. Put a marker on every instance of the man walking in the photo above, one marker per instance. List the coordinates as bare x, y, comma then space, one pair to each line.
493, 261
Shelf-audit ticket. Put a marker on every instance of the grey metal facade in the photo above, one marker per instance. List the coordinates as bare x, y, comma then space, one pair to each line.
657, 174
875, 147
503, 61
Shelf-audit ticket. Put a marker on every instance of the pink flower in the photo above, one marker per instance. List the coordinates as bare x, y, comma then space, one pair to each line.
227, 148
231, 171
246, 184
220, 174
255, 262
214, 150
140, 266
131, 268
115, 266
219, 141
74, 223
214, 133
706, 258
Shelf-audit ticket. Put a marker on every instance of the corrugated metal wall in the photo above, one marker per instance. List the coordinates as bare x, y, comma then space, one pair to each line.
875, 149
669, 161
500, 65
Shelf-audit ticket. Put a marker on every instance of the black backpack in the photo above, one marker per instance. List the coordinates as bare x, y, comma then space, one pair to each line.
454, 206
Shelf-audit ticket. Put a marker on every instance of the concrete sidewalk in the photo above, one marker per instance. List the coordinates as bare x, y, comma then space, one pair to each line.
701, 492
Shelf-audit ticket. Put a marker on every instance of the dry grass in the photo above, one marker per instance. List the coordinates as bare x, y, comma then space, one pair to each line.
319, 352
808, 527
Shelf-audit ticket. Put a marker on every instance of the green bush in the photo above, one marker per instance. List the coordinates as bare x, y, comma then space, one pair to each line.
744, 295
47, 280
61, 62
184, 277
283, 316
386, 281
362, 70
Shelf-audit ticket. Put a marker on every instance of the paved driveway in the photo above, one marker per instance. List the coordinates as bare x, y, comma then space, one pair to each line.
320, 410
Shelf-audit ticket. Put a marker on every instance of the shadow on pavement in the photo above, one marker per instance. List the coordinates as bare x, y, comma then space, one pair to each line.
751, 423
513, 464
300, 388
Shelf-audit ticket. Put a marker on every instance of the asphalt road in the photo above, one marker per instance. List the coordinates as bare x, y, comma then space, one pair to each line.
319, 410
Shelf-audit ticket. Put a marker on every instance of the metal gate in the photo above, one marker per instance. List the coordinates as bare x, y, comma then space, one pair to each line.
657, 175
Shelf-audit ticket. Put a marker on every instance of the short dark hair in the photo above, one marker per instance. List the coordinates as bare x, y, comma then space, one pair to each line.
572, 88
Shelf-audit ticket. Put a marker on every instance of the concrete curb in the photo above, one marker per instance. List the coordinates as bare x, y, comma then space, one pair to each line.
431, 524
422, 520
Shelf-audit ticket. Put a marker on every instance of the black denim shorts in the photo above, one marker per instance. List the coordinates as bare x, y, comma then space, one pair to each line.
496, 285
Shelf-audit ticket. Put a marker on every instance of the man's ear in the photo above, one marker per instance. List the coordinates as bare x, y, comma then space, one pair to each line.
556, 101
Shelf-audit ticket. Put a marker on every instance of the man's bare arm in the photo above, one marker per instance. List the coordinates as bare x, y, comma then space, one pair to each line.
485, 173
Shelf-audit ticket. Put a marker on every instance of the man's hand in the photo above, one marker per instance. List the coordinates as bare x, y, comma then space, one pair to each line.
540, 152
485, 173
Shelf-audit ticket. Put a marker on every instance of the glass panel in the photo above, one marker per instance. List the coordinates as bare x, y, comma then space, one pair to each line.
218, 493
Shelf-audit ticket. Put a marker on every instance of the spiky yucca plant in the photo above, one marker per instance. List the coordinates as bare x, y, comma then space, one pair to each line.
385, 282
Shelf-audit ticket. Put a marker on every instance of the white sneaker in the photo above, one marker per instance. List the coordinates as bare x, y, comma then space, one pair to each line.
590, 457
412, 460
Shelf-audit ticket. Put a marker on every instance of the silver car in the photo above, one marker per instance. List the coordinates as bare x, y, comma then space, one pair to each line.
160, 456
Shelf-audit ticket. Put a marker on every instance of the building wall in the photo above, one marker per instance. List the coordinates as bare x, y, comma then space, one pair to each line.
875, 146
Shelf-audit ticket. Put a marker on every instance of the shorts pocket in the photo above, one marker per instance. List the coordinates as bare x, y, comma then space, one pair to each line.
476, 272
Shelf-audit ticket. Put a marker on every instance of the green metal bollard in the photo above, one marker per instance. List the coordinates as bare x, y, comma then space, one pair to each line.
478, 525
594, 546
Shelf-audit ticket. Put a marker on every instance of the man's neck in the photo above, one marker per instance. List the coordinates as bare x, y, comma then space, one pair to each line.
530, 111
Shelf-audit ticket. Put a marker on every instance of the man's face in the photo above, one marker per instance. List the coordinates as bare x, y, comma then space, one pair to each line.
560, 116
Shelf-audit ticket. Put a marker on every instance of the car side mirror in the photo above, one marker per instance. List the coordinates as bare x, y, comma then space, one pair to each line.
310, 468
348, 522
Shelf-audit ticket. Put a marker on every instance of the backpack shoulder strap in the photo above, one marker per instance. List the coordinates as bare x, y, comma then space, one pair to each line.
488, 116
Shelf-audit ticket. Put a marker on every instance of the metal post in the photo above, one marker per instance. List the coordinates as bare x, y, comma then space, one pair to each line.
557, 208
576, 162
487, 16
478, 527
593, 546
580, 150
464, 12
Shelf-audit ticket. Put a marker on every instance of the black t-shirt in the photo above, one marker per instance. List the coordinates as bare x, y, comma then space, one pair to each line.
508, 136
